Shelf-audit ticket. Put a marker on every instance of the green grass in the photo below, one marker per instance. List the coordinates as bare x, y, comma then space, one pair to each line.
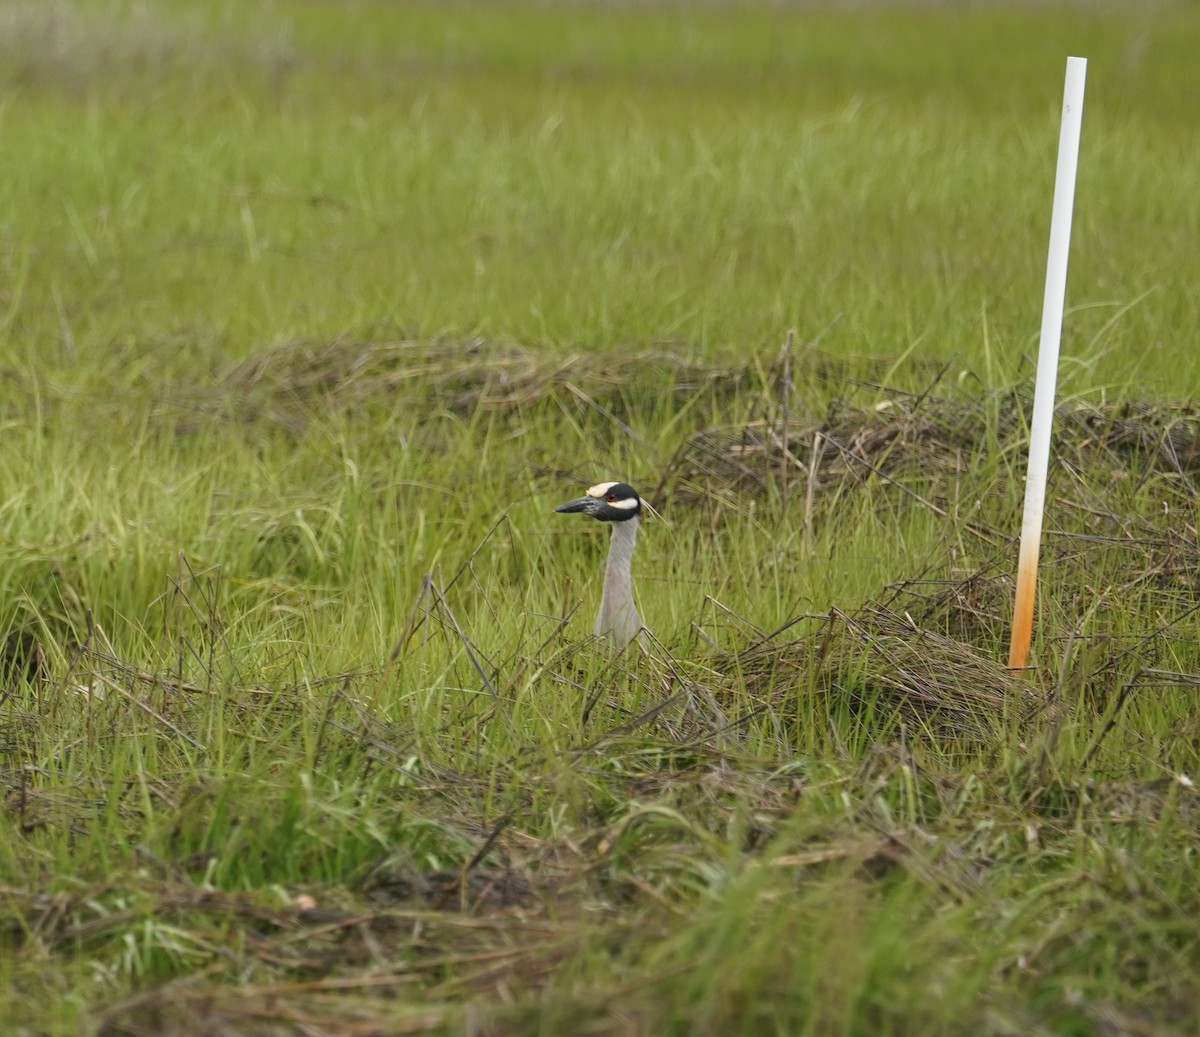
312, 312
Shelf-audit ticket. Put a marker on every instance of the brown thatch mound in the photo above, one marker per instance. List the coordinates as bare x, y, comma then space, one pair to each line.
880, 660
929, 437
283, 384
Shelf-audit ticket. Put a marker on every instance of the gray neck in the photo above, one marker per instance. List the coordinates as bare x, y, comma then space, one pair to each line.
618, 616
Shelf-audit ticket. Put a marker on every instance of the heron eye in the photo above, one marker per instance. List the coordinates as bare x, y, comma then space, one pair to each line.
611, 498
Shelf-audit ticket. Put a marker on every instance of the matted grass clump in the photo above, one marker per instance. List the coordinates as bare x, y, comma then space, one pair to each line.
287, 384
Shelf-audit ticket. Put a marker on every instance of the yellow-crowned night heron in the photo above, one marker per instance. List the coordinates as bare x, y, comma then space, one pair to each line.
618, 503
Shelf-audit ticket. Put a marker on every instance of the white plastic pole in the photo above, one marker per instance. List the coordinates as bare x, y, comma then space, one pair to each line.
1047, 367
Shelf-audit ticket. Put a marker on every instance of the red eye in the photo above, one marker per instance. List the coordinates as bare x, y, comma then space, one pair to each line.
611, 497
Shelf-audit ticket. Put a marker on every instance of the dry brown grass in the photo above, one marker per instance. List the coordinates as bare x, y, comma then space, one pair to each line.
284, 384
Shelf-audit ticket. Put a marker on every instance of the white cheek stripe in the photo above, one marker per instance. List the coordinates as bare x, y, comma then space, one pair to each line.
625, 505
600, 489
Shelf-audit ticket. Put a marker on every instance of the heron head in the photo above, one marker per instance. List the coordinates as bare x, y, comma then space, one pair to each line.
608, 502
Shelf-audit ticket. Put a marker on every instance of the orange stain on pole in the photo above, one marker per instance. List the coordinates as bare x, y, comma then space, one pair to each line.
1022, 628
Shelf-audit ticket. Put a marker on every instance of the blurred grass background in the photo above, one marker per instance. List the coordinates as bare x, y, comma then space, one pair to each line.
597, 176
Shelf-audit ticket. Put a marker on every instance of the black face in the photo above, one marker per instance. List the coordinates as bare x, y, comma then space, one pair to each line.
608, 502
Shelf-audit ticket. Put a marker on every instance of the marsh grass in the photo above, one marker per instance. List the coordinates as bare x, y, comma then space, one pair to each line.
310, 316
